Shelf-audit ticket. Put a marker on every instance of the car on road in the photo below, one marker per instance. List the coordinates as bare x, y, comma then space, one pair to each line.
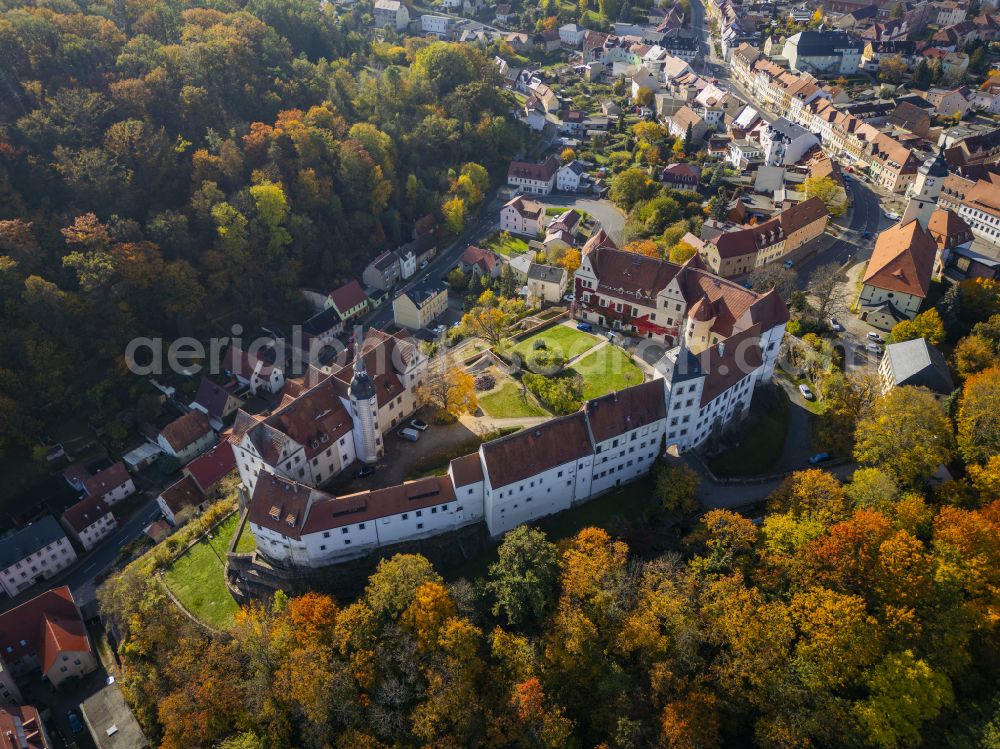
586, 327
819, 458
835, 325
410, 435
892, 215
872, 336
848, 168
74, 722
569, 298
787, 264
438, 329
874, 348
423, 265
364, 471
806, 392
419, 424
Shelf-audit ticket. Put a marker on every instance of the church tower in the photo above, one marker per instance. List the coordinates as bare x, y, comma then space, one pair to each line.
923, 193
364, 410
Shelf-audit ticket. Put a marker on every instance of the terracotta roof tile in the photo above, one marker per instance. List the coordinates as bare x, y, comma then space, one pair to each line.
106, 480
625, 410
86, 512
537, 449
467, 470
902, 260
186, 430
209, 468
62, 629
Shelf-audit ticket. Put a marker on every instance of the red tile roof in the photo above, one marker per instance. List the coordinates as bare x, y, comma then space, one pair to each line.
213, 398
536, 449
86, 512
485, 259
209, 468
14, 720
902, 260
280, 505
48, 624
334, 512
181, 494
347, 297
728, 362
620, 412
186, 430
540, 172
106, 480
467, 470
948, 228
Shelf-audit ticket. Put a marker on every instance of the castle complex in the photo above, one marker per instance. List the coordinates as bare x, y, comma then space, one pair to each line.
724, 340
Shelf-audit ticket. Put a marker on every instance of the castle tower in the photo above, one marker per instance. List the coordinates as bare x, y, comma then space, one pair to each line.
923, 193
698, 327
364, 410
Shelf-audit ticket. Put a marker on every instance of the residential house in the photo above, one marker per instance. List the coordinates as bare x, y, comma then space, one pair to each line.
47, 634
744, 154
534, 114
476, 261
383, 272
949, 12
980, 208
963, 263
89, 521
522, 216
686, 119
257, 370
536, 179
187, 436
208, 470
35, 552
421, 304
681, 176
785, 143
391, 14
180, 496
407, 263
915, 363
571, 176
349, 300
953, 66
548, 40
890, 163
503, 13
571, 35
218, 402
738, 252
545, 95
823, 53
439, 26
947, 102
545, 283
318, 331
113, 484
898, 276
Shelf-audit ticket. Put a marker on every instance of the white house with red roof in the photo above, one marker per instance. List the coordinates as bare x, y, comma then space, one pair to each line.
898, 275
89, 521
256, 369
47, 633
522, 216
218, 402
535, 179
477, 261
187, 436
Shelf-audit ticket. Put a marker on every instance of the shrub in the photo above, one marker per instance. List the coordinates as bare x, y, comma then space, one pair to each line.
562, 395
485, 381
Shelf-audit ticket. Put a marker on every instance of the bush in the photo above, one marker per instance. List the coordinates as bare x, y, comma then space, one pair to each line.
562, 395
485, 381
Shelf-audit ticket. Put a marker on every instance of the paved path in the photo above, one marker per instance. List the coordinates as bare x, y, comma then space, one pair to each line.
714, 496
798, 438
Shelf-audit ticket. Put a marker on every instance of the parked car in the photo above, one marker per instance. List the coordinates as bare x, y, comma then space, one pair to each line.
438, 329
872, 336
74, 722
892, 215
364, 471
418, 424
874, 348
819, 458
787, 264
836, 326
410, 435
569, 298
806, 392
423, 265
586, 327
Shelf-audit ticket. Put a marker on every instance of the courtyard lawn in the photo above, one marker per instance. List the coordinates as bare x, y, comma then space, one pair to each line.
512, 246
247, 542
559, 339
606, 370
507, 402
197, 577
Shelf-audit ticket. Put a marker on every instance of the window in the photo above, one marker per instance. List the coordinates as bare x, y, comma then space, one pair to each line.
322, 547
343, 530
361, 526
419, 526
347, 542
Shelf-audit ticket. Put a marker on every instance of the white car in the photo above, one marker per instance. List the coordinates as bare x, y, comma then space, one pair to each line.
806, 392
569, 298
423, 265
438, 330
874, 348
872, 336
892, 215
835, 325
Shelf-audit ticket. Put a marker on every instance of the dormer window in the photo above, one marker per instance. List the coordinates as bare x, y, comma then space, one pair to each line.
275, 513
290, 519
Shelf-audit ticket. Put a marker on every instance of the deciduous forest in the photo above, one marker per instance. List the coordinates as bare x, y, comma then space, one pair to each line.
170, 168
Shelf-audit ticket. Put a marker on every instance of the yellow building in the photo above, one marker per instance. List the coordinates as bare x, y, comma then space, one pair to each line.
417, 307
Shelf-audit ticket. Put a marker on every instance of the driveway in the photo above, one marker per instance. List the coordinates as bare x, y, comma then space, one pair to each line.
798, 439
607, 213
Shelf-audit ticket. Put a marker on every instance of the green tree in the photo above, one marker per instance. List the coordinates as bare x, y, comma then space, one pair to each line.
393, 585
524, 579
677, 488
834, 196
631, 186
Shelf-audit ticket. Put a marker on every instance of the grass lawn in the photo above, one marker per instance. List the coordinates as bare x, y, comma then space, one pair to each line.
513, 246
507, 402
606, 370
559, 339
247, 542
761, 444
197, 578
